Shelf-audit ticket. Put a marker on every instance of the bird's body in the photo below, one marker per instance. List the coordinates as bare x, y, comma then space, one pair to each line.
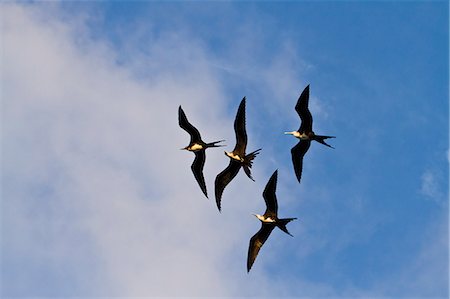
269, 220
195, 147
238, 158
301, 135
198, 147
305, 134
263, 219
234, 156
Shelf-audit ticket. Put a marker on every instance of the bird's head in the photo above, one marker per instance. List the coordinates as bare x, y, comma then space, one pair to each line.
296, 134
258, 216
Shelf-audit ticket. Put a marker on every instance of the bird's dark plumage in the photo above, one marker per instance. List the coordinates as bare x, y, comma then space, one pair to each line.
270, 221
305, 133
198, 147
256, 242
239, 129
242, 160
197, 170
303, 111
297, 153
270, 198
186, 125
224, 178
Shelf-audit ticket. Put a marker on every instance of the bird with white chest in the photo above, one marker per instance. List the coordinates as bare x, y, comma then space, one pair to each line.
238, 157
269, 220
198, 147
305, 134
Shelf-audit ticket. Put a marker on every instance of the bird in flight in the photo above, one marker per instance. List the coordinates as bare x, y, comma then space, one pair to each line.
237, 157
198, 147
305, 133
269, 221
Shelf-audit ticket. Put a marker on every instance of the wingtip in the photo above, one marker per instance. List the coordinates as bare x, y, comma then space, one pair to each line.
274, 176
219, 207
306, 90
204, 191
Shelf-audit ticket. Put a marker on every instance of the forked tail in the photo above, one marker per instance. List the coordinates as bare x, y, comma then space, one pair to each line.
248, 162
282, 224
321, 139
214, 144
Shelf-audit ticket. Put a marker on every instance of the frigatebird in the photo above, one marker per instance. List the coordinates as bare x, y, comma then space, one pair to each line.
269, 221
304, 133
198, 147
237, 157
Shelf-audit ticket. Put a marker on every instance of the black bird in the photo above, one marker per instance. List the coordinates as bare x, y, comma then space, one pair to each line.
304, 133
237, 157
269, 221
198, 147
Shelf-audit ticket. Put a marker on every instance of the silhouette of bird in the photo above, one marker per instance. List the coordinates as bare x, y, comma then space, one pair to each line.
304, 133
269, 221
238, 158
198, 147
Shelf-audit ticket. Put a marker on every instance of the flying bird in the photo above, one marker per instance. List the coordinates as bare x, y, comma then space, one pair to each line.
304, 133
269, 221
198, 147
237, 157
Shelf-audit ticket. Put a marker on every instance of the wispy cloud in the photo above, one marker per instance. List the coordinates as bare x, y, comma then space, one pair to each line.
91, 166
97, 200
432, 185
429, 185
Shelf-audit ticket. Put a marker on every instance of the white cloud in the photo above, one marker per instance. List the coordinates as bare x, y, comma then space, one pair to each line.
92, 169
98, 200
431, 186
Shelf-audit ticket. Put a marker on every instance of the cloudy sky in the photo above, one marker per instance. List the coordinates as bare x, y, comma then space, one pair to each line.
98, 200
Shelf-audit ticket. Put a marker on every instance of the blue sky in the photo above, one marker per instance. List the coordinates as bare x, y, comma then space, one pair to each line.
97, 200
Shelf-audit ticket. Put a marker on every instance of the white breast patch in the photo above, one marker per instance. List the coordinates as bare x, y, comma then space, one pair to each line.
235, 157
301, 136
195, 147
268, 219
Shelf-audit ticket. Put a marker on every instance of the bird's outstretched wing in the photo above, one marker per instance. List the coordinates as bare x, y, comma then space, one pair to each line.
298, 152
197, 169
239, 129
269, 196
302, 109
257, 241
186, 125
224, 178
